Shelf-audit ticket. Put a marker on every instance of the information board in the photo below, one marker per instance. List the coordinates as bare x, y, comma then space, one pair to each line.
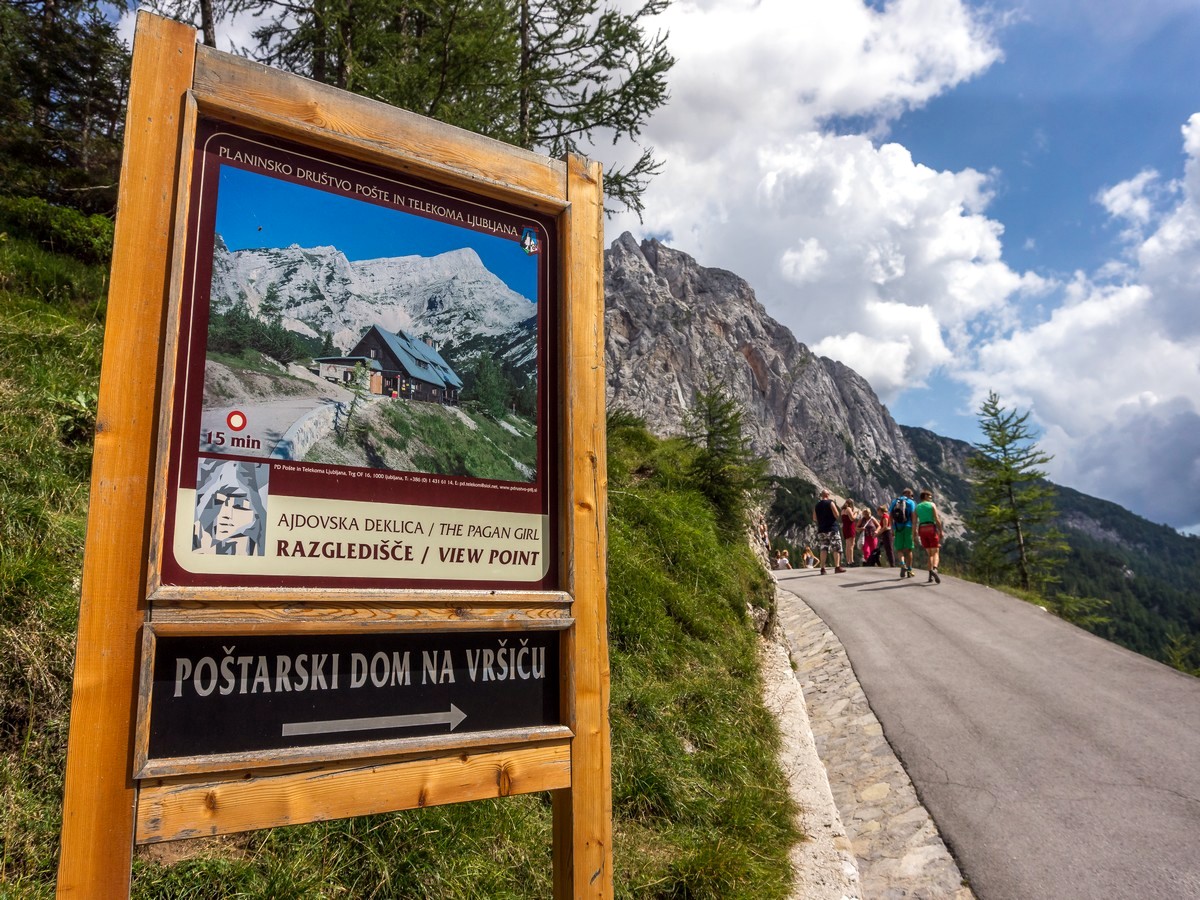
346, 539
363, 380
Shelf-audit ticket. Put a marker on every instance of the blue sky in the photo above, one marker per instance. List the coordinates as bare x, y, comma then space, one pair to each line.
256, 211
1068, 110
955, 197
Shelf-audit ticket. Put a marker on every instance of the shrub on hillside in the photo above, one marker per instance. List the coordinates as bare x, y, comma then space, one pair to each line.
59, 228
725, 467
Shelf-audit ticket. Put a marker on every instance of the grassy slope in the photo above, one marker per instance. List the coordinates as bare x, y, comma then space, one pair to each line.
700, 806
50, 344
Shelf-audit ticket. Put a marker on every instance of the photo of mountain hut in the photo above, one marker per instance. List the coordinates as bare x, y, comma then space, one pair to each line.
400, 365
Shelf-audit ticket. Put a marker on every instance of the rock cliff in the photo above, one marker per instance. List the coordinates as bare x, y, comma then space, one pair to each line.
673, 324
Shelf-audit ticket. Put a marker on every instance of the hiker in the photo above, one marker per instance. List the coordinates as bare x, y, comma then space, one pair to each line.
903, 510
849, 530
781, 560
829, 535
929, 531
869, 526
885, 535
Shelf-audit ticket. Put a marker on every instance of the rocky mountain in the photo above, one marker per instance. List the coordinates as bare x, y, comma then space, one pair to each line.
451, 298
672, 324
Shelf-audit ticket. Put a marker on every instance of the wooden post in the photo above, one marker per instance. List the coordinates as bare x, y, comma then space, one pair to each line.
583, 815
98, 805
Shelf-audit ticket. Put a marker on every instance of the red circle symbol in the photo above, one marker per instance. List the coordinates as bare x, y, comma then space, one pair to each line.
236, 420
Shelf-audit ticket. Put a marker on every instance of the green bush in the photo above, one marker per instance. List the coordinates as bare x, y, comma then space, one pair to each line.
60, 228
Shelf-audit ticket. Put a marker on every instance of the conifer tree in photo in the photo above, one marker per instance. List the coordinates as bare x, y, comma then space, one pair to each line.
63, 78
724, 468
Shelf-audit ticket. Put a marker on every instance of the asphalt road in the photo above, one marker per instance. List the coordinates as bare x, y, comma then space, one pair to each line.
1057, 765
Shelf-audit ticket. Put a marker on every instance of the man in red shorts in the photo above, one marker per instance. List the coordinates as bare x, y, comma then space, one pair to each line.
929, 530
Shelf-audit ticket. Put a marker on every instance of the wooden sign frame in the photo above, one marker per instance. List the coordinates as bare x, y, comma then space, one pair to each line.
112, 799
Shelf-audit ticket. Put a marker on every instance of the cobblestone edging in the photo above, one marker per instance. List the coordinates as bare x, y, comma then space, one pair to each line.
895, 842
823, 863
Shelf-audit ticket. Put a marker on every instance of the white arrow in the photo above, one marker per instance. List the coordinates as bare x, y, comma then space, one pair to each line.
453, 718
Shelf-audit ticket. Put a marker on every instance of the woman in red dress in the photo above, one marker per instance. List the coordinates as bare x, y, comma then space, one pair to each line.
849, 530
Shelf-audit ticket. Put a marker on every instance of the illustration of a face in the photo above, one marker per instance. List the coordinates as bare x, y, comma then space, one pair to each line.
230, 508
235, 514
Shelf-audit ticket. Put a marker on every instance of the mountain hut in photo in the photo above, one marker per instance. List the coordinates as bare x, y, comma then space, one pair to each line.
402, 366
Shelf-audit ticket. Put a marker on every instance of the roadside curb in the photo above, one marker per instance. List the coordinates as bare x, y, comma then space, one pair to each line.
896, 845
823, 863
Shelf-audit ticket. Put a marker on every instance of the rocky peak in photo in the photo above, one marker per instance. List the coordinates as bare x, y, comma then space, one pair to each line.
451, 298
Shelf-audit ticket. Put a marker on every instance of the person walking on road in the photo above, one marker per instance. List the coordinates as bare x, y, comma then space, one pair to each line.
829, 532
929, 532
849, 520
903, 512
869, 526
885, 535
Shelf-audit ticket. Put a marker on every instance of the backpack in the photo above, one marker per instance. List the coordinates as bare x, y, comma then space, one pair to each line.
900, 513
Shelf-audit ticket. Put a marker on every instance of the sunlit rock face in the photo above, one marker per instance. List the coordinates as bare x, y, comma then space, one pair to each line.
673, 325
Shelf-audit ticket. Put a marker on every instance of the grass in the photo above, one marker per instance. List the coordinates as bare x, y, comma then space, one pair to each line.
700, 806
50, 338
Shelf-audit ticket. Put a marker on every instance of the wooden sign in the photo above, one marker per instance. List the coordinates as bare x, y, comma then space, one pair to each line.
348, 486
224, 701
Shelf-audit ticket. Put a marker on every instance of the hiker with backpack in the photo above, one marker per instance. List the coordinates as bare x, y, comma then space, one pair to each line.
903, 512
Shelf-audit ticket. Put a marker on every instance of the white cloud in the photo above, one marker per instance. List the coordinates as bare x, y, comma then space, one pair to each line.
1131, 200
850, 243
854, 246
804, 262
1113, 374
777, 67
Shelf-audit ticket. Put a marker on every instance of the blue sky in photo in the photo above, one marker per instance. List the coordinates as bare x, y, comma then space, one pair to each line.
256, 211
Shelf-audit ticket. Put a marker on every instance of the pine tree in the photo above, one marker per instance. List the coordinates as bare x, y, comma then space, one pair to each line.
588, 69
1013, 516
487, 387
63, 78
359, 386
724, 467
547, 75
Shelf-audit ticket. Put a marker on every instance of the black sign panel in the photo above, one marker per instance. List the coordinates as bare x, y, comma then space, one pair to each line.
215, 695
